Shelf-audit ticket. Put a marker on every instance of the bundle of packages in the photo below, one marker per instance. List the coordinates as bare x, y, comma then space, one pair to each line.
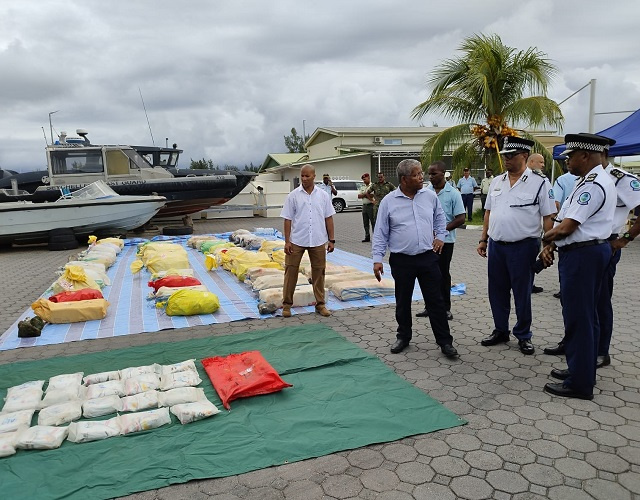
271, 269
279, 257
73, 278
75, 295
70, 312
113, 241
270, 246
97, 275
270, 300
274, 281
242, 263
331, 279
106, 254
190, 302
196, 241
66, 388
86, 264
160, 256
174, 281
26, 396
360, 289
172, 272
220, 255
164, 292
209, 245
246, 239
329, 269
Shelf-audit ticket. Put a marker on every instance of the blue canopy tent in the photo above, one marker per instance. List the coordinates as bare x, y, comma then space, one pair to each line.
626, 133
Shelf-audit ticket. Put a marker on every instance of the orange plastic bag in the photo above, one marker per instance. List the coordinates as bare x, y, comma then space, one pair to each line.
174, 281
242, 375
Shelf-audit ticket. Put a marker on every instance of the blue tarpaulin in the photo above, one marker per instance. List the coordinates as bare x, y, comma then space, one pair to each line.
626, 133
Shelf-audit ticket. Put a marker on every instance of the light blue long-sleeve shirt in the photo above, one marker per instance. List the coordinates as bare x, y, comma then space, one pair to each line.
406, 225
466, 185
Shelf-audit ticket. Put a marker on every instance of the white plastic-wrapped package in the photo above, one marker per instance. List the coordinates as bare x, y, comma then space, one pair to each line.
102, 389
329, 269
64, 381
8, 442
86, 265
101, 406
63, 395
255, 272
136, 371
10, 422
143, 421
330, 279
96, 378
180, 396
60, 414
22, 398
33, 384
179, 379
41, 437
274, 281
190, 412
142, 401
183, 366
143, 383
271, 298
83, 432
360, 289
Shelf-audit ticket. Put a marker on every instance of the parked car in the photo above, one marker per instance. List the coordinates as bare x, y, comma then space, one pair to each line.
347, 196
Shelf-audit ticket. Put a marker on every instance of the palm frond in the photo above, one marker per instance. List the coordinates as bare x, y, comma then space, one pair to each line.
435, 147
534, 111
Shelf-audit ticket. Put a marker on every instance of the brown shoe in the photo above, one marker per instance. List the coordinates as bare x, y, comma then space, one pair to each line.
286, 312
323, 311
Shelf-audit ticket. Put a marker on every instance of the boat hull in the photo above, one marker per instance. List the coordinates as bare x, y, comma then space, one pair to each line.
32, 222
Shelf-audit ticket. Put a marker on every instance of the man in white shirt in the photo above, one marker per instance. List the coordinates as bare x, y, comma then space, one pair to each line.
308, 224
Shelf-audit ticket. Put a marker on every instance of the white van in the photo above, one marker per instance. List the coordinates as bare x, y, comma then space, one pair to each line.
347, 196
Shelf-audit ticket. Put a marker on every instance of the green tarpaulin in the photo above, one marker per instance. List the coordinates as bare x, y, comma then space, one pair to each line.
342, 398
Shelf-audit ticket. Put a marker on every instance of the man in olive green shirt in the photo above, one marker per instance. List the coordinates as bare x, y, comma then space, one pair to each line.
379, 190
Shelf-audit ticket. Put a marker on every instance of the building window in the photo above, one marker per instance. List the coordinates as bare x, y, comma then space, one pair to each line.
393, 142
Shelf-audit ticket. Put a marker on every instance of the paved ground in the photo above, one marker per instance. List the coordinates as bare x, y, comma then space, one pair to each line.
520, 443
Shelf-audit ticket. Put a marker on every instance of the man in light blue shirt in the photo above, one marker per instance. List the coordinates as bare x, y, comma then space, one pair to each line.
466, 185
327, 186
451, 202
562, 188
408, 219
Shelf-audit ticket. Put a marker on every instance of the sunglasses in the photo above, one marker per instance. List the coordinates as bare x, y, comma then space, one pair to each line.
509, 156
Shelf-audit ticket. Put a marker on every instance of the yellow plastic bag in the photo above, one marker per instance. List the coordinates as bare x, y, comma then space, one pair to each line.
73, 278
70, 312
190, 302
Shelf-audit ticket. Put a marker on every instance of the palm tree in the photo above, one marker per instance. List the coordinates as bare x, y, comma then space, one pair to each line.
491, 89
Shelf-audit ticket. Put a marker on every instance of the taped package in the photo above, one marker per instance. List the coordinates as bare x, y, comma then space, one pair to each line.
103, 389
11, 422
182, 366
360, 289
8, 442
271, 298
60, 414
331, 279
142, 383
101, 406
142, 401
63, 395
65, 380
276, 281
70, 312
191, 412
41, 437
27, 396
136, 371
84, 432
143, 421
181, 395
186, 378
265, 270
96, 378
330, 269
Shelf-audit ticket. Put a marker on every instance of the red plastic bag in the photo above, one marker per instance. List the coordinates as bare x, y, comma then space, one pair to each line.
75, 295
242, 375
174, 281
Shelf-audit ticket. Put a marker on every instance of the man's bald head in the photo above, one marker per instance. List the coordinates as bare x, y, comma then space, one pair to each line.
535, 161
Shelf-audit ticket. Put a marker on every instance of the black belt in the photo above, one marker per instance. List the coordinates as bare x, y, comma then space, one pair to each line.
614, 236
580, 244
511, 242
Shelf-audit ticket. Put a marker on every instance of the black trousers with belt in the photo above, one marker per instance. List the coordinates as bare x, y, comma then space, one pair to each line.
424, 267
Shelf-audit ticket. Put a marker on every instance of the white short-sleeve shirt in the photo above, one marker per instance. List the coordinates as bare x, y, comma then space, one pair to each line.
307, 213
628, 195
591, 203
517, 211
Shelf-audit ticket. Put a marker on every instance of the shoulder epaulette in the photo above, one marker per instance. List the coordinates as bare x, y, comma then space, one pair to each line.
618, 174
539, 172
590, 177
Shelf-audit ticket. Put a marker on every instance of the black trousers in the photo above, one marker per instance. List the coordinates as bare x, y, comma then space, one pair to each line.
424, 267
445, 271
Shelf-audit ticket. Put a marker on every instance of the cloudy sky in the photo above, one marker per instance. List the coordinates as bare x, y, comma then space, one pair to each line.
227, 79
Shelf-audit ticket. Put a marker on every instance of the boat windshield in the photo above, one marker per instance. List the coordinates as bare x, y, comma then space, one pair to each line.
76, 162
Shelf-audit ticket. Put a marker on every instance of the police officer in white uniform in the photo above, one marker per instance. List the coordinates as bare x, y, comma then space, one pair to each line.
580, 235
519, 204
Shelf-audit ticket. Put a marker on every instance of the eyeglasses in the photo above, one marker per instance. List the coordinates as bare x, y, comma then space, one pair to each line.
508, 156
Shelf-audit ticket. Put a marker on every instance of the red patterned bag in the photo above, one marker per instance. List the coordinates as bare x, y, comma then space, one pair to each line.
174, 281
75, 295
242, 375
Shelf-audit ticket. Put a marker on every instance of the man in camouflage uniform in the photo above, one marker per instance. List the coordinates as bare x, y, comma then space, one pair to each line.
379, 190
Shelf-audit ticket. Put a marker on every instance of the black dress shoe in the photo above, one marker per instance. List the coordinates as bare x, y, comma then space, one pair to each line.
496, 337
449, 351
366, 240
557, 350
526, 347
565, 392
422, 314
603, 361
449, 315
560, 374
557, 295
399, 346
536, 289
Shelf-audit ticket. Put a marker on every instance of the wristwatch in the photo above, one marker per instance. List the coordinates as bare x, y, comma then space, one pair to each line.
332, 241
483, 241
628, 236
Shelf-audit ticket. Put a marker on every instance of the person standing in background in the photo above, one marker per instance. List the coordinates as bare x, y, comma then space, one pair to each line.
367, 207
484, 187
379, 190
466, 186
327, 185
536, 164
